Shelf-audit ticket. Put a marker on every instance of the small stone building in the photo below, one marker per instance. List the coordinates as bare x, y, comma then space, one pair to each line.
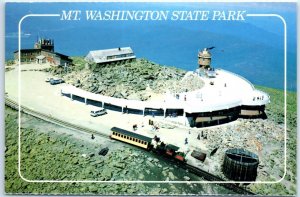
110, 55
43, 52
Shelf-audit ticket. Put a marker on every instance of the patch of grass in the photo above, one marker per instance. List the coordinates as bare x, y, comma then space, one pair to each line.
78, 62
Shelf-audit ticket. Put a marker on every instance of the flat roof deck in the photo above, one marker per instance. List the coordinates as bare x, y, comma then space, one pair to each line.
229, 90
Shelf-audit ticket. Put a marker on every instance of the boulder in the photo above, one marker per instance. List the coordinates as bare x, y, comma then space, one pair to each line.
187, 178
134, 96
150, 159
171, 176
141, 177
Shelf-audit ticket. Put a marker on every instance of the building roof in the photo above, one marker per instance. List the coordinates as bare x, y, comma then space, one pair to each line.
100, 56
36, 50
59, 54
204, 54
27, 50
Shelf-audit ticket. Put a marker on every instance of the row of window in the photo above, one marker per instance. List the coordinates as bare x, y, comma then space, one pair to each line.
129, 138
27, 59
120, 56
29, 54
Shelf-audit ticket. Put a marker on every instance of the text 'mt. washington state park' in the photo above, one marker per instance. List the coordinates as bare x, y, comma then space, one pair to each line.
149, 15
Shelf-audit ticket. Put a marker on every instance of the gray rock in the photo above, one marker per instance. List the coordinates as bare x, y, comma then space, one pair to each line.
187, 178
150, 159
149, 164
107, 173
164, 173
141, 177
171, 176
93, 89
120, 165
134, 96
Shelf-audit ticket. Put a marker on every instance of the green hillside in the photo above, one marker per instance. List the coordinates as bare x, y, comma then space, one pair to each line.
275, 112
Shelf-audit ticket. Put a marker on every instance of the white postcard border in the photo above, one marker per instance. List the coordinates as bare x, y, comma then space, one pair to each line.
92, 181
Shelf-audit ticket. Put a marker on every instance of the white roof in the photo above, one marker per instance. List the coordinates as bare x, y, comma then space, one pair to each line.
99, 56
237, 92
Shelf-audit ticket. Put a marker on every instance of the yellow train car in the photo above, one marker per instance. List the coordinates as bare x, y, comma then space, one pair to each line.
131, 138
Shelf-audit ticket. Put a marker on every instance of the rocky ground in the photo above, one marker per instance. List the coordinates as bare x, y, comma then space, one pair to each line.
266, 139
137, 80
50, 152
263, 137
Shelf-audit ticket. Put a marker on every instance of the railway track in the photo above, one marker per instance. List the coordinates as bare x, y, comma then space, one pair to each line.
192, 169
51, 119
209, 177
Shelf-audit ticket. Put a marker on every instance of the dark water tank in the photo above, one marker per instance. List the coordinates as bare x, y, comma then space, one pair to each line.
240, 165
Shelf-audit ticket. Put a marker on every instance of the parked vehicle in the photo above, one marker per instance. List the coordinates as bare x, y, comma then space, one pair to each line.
48, 79
98, 112
56, 81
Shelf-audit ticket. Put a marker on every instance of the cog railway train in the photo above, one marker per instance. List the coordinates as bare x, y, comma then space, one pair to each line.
153, 144
239, 164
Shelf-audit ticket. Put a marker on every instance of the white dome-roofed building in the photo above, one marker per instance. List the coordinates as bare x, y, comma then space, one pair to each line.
220, 98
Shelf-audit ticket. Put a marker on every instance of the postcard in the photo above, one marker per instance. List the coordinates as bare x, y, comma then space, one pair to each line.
150, 98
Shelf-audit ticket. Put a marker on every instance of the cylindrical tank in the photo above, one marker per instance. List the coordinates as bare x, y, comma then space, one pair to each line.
204, 58
240, 165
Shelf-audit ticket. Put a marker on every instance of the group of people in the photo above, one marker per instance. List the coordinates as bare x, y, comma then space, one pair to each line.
199, 136
258, 98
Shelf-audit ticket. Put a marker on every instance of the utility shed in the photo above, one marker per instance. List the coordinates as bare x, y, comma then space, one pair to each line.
110, 55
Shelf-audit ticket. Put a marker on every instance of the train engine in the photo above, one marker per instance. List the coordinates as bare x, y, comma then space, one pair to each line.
168, 150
